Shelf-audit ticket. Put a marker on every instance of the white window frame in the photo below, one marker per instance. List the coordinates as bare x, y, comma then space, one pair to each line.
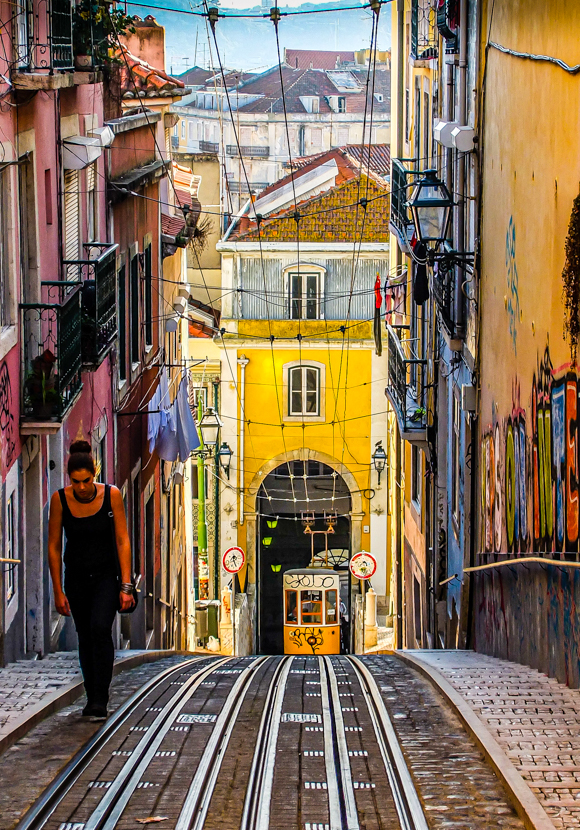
320, 415
305, 270
11, 546
92, 202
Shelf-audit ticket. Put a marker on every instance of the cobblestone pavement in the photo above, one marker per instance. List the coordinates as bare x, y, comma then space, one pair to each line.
27, 683
456, 785
535, 720
50, 745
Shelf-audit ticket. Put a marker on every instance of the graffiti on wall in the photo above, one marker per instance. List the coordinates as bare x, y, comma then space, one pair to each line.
530, 468
512, 296
6, 418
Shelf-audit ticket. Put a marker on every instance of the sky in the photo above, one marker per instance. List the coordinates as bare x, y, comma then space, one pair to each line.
250, 44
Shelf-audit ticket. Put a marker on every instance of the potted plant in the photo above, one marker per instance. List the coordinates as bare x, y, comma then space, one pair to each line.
40, 386
96, 28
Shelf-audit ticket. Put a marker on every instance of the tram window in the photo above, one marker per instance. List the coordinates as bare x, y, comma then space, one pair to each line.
291, 607
311, 607
330, 607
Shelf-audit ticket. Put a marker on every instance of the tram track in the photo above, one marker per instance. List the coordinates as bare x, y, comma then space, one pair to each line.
326, 710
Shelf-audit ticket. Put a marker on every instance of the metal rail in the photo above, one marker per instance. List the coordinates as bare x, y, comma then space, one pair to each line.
40, 812
408, 806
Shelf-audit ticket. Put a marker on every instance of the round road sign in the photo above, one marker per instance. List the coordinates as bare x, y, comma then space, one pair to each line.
233, 560
363, 565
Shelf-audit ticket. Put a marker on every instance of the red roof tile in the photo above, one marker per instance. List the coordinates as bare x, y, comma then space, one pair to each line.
315, 59
140, 79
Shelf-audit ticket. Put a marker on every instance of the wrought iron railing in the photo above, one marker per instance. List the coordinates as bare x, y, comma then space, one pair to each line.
242, 187
247, 151
399, 221
44, 37
406, 385
208, 147
443, 289
98, 278
51, 334
423, 30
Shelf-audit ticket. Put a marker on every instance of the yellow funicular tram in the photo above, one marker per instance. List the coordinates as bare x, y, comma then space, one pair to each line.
312, 601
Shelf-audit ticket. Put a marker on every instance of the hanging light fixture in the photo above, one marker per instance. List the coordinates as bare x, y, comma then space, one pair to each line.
379, 459
266, 541
225, 453
272, 523
431, 205
210, 426
276, 568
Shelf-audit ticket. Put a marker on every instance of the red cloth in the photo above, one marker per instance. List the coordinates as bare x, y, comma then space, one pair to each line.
378, 294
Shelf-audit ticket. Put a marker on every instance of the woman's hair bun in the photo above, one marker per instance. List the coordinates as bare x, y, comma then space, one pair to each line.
80, 446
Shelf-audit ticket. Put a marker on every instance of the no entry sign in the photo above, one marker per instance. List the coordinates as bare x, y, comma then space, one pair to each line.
233, 560
363, 565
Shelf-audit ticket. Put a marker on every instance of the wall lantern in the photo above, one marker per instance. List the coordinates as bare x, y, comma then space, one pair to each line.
379, 459
430, 206
225, 453
210, 426
266, 541
276, 568
272, 523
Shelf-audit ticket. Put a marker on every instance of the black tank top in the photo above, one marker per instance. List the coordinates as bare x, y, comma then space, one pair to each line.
90, 547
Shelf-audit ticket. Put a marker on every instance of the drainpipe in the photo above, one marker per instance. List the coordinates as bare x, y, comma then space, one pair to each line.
242, 363
201, 494
461, 162
216, 551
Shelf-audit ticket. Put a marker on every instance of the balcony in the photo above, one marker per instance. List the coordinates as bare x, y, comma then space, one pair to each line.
51, 334
423, 32
248, 152
406, 389
208, 147
400, 223
242, 187
44, 39
98, 284
443, 290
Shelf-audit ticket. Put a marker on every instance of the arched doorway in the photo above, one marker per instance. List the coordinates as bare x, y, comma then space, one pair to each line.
289, 492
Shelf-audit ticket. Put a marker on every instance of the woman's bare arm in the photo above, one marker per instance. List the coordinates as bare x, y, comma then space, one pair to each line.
55, 554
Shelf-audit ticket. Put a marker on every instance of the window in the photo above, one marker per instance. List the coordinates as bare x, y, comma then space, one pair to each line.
455, 437
48, 195
197, 393
190, 130
136, 526
417, 125
342, 104
417, 609
183, 129
22, 34
5, 300
148, 286
135, 309
426, 122
416, 475
199, 131
92, 203
311, 611
342, 136
330, 607
291, 606
71, 216
11, 548
305, 295
304, 398
316, 138
100, 456
122, 322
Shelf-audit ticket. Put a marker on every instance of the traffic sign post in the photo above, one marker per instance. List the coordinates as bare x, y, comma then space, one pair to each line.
362, 566
233, 561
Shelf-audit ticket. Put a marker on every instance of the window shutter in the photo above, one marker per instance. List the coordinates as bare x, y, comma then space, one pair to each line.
71, 214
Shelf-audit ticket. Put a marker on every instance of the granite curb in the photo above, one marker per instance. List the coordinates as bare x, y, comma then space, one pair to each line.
527, 805
70, 692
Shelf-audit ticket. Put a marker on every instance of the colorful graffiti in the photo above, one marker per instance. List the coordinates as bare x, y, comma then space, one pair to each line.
6, 418
512, 297
530, 469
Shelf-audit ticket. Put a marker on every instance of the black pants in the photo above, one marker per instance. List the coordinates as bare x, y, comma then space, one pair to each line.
94, 601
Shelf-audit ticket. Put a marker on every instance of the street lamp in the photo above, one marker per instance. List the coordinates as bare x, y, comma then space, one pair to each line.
379, 459
272, 523
210, 426
224, 454
430, 205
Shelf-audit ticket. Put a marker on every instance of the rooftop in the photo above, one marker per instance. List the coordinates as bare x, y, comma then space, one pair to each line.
139, 79
316, 59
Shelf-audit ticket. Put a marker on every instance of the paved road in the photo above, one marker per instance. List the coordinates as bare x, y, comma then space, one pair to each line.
282, 743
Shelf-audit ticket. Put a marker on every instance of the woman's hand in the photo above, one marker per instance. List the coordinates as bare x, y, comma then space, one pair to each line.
126, 601
61, 603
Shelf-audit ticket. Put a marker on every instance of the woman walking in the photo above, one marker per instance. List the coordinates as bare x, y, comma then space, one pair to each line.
97, 569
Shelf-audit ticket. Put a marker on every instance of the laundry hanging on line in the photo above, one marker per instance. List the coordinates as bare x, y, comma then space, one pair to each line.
171, 429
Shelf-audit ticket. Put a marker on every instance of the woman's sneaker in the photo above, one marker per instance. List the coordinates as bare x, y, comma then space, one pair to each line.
88, 710
98, 712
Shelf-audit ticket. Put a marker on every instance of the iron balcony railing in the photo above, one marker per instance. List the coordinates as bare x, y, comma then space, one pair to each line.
44, 37
406, 388
242, 187
51, 334
400, 223
443, 290
423, 31
208, 147
248, 152
98, 281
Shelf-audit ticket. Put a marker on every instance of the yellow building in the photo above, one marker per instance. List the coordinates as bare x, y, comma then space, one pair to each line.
301, 392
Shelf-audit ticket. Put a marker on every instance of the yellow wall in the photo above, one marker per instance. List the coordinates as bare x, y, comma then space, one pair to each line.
531, 173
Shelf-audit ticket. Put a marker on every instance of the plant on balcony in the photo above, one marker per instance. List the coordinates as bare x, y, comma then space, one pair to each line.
418, 414
40, 386
96, 29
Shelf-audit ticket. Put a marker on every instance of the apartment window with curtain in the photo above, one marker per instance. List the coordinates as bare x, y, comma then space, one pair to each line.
135, 316
122, 321
148, 291
71, 217
305, 291
92, 203
304, 390
5, 298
